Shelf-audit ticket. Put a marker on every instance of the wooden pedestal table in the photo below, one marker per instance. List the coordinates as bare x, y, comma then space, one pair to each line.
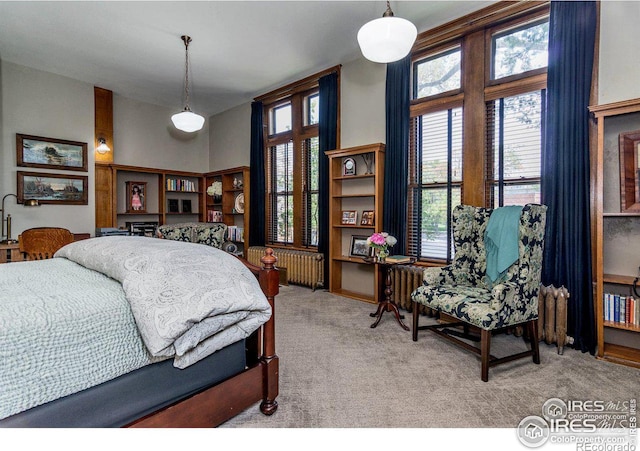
385, 303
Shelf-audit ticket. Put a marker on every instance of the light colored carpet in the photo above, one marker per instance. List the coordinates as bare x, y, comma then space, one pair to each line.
337, 372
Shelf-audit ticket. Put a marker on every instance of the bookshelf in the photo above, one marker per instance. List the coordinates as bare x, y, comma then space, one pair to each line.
617, 228
359, 190
229, 207
159, 186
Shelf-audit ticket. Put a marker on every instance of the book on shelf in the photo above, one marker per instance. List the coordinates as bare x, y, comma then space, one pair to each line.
398, 259
621, 309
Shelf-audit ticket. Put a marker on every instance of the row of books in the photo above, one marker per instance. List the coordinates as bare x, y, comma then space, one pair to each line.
621, 309
181, 185
235, 233
214, 216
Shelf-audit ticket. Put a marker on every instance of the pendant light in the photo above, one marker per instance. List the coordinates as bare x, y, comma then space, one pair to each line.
387, 39
187, 121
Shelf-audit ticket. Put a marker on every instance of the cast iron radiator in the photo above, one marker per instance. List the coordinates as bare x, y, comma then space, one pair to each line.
302, 267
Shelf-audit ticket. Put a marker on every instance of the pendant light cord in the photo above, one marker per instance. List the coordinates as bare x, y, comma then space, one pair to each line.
186, 40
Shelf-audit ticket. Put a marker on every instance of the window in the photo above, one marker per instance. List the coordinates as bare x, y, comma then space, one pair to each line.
292, 156
520, 50
436, 185
477, 120
514, 143
437, 74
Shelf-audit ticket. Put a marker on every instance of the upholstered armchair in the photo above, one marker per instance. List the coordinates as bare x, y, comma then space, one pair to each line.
464, 291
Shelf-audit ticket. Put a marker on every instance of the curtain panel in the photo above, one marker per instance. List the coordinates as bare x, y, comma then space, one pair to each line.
565, 182
257, 188
396, 171
327, 140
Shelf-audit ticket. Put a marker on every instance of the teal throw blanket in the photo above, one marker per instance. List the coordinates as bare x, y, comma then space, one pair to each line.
501, 240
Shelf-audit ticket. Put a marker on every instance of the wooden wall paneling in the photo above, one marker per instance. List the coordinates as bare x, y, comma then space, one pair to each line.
474, 156
103, 107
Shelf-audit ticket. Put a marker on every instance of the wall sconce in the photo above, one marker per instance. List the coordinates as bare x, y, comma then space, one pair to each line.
27, 203
102, 148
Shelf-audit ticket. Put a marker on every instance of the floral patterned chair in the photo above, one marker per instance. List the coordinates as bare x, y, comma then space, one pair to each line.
463, 291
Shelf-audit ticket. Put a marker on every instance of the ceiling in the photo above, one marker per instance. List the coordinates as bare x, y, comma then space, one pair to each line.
240, 49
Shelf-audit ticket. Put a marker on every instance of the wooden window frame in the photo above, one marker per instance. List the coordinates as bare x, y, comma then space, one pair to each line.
473, 33
296, 94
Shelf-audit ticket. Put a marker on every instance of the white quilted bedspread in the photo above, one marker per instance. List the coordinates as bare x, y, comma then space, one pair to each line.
66, 324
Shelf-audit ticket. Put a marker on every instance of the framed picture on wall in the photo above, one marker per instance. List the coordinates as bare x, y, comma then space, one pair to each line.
136, 197
50, 153
349, 217
49, 188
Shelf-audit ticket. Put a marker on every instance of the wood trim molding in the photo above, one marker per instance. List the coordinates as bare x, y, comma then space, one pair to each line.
305, 84
475, 21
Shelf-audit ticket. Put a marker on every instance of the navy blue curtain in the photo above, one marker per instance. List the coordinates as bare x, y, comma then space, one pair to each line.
327, 140
565, 164
257, 187
396, 159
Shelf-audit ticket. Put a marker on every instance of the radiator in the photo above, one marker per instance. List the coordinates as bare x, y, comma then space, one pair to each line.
552, 316
302, 267
405, 279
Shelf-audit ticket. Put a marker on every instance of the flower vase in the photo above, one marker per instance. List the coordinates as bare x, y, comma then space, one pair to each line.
217, 199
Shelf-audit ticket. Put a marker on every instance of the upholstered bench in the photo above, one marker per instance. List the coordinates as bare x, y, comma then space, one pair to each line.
209, 233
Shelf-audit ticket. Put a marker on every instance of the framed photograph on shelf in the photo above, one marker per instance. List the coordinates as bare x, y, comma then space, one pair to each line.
51, 153
349, 217
367, 218
173, 206
136, 197
359, 247
186, 205
62, 189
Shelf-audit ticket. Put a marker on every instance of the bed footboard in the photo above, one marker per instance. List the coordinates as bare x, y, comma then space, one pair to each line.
259, 382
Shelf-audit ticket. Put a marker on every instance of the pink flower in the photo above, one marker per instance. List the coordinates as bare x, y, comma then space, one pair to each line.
378, 238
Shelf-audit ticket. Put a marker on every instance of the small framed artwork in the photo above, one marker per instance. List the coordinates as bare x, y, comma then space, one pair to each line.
48, 188
367, 218
186, 206
173, 206
50, 153
348, 166
136, 197
349, 217
359, 247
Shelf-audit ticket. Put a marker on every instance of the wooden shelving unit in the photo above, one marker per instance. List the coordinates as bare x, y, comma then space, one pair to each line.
359, 192
617, 342
235, 182
111, 179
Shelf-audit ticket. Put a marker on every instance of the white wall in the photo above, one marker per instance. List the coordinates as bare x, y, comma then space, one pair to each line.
362, 94
619, 50
230, 138
43, 104
143, 135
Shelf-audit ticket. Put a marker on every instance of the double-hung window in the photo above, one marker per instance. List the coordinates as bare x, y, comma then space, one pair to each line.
292, 156
477, 121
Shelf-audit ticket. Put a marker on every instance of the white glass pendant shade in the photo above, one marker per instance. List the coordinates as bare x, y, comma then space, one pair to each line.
187, 121
387, 39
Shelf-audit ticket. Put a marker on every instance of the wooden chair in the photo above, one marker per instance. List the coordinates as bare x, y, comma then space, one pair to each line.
42, 242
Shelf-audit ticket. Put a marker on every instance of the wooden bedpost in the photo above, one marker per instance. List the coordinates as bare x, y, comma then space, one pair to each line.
270, 282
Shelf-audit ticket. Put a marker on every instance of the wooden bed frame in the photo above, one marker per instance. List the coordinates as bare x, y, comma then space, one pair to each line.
259, 381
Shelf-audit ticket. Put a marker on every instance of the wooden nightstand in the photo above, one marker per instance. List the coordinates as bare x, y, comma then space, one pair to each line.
10, 253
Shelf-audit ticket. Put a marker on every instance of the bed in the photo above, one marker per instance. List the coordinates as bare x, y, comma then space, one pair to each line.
136, 332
